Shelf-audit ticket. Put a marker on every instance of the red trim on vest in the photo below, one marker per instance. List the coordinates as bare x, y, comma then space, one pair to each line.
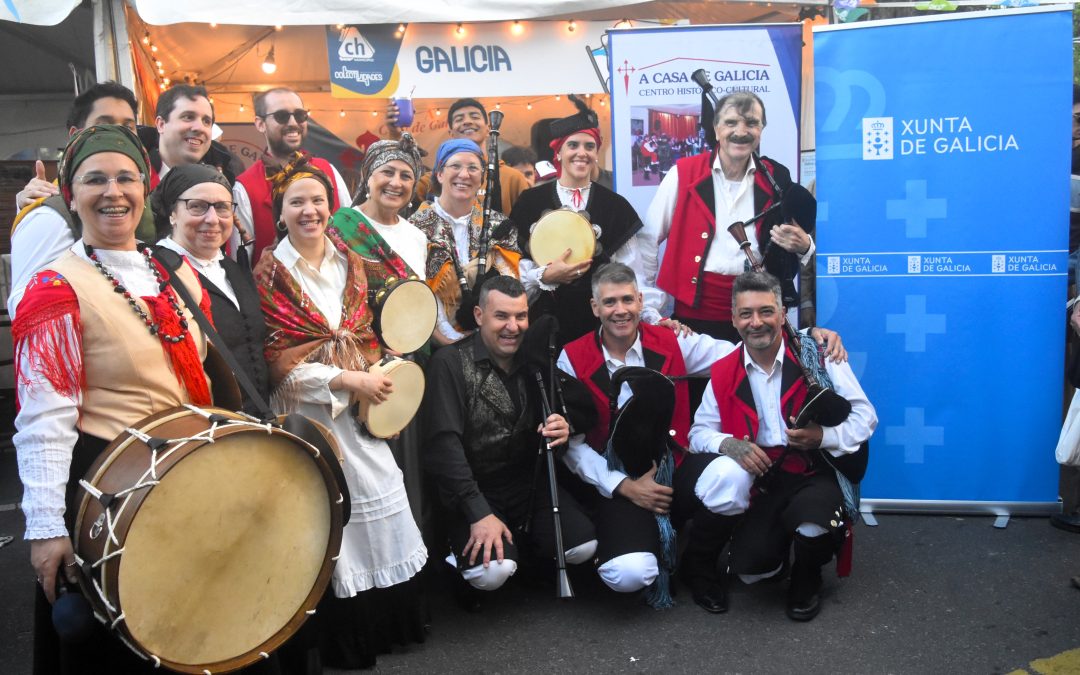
262, 208
587, 358
693, 228
738, 415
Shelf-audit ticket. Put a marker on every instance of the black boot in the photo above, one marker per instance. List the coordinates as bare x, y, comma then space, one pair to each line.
804, 597
697, 569
804, 593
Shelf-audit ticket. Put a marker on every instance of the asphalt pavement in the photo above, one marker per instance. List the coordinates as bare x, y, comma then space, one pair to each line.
928, 594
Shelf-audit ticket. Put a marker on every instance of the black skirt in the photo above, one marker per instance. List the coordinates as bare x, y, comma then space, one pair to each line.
354, 631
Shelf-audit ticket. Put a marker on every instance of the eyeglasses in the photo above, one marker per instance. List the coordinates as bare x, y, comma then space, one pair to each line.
473, 169
282, 116
99, 181
199, 207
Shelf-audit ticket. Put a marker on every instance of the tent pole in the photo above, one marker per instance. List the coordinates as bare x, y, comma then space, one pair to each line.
112, 59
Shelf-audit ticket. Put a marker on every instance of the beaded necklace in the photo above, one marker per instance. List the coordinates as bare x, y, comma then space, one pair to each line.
163, 286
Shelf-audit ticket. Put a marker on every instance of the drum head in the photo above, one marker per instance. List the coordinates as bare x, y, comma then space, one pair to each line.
559, 230
394, 414
224, 553
407, 316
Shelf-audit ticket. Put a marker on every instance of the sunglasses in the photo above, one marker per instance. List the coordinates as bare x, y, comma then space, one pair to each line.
282, 116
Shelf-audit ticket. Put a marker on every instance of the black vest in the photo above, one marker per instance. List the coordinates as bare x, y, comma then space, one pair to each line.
243, 330
498, 437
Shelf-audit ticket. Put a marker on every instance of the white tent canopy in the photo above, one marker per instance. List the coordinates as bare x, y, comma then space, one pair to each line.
330, 12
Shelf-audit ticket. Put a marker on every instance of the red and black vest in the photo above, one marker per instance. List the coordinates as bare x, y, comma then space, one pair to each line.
262, 208
660, 349
735, 401
693, 226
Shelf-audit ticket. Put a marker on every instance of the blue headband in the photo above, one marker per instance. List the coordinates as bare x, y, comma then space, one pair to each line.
453, 147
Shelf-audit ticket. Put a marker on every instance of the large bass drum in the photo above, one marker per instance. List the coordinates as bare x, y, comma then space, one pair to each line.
205, 539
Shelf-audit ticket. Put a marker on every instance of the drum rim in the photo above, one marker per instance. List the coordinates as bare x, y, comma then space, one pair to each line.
110, 568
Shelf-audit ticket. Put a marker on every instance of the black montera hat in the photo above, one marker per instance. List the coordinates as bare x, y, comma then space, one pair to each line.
583, 119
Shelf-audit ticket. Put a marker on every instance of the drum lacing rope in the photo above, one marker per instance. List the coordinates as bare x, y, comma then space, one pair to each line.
116, 621
264, 655
107, 503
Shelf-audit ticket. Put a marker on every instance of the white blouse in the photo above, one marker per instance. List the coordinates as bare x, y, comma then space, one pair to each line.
46, 425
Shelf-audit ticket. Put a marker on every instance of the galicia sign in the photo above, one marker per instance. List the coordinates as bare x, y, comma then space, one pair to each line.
474, 59
941, 214
488, 59
931, 136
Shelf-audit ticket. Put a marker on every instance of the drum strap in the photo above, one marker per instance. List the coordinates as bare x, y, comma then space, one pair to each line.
171, 262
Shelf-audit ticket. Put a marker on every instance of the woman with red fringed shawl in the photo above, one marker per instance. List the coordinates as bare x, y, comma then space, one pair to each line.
100, 343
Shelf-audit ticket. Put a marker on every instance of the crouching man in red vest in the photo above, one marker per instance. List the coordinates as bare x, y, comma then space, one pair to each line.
753, 393
630, 534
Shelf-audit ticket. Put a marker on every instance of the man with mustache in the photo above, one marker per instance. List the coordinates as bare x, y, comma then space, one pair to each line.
753, 395
483, 423
281, 118
700, 197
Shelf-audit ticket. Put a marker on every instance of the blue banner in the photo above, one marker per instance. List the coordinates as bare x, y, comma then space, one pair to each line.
943, 201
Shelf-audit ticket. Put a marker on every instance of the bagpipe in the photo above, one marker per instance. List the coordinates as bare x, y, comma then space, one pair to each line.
470, 296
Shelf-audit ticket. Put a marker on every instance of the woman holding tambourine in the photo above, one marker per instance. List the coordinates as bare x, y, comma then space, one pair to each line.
320, 348
100, 343
394, 252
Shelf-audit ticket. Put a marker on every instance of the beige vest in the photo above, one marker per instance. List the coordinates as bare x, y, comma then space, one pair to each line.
128, 375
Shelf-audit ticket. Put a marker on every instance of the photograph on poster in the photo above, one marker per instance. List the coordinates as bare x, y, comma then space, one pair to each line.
661, 135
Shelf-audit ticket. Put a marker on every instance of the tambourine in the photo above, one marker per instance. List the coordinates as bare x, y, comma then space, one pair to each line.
405, 314
387, 419
559, 230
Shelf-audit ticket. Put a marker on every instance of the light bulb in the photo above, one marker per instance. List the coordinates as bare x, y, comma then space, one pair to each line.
269, 66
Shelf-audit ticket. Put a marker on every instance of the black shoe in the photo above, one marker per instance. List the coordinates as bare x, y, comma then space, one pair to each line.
804, 594
1070, 522
711, 597
708, 592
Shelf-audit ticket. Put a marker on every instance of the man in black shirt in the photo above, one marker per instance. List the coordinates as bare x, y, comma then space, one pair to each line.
482, 419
